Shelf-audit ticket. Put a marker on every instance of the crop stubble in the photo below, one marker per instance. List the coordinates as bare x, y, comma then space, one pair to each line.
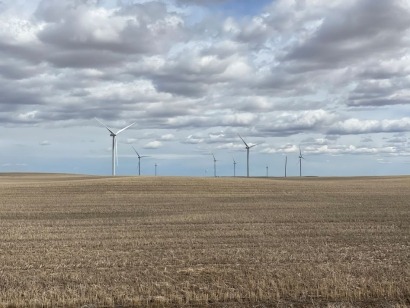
158, 241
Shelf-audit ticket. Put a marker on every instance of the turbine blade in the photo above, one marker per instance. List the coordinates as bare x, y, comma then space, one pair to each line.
105, 126
243, 141
122, 129
254, 145
137, 153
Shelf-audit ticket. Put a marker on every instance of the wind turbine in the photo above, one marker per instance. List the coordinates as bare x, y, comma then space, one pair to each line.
234, 166
214, 164
114, 143
156, 169
247, 154
300, 161
286, 164
267, 171
139, 160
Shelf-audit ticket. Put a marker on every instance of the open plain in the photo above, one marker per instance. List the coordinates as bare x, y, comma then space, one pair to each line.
72, 241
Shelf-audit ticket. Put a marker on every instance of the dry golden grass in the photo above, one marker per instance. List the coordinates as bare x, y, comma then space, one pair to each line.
72, 241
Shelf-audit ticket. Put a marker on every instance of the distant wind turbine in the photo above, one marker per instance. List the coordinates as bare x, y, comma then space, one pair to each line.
300, 161
234, 166
156, 169
267, 171
214, 164
286, 164
114, 143
139, 160
247, 154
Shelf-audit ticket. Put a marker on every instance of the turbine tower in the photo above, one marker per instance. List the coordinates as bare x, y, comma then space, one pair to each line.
156, 169
214, 164
139, 160
300, 161
114, 143
247, 154
286, 164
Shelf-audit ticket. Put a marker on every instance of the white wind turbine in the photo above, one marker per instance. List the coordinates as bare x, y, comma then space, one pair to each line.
139, 160
247, 154
214, 164
300, 161
234, 166
114, 143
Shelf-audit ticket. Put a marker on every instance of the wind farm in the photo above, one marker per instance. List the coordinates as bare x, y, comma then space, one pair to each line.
235, 162
217, 154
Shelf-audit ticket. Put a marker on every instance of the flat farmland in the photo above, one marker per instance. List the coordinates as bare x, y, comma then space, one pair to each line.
72, 241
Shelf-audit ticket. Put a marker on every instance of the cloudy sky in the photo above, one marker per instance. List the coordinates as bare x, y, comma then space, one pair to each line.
330, 77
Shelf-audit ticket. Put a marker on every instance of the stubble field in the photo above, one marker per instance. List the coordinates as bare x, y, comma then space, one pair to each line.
72, 241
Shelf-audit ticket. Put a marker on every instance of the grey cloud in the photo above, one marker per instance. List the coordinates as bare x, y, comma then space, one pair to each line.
286, 124
377, 70
377, 102
53, 10
84, 59
180, 87
14, 99
397, 139
80, 35
379, 93
16, 70
356, 126
366, 139
366, 27
194, 74
255, 31
31, 53
201, 2
168, 109
204, 118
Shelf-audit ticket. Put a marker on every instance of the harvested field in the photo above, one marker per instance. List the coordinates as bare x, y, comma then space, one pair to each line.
73, 241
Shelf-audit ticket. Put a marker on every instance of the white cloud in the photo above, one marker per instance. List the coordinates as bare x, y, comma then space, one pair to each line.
167, 137
45, 142
153, 145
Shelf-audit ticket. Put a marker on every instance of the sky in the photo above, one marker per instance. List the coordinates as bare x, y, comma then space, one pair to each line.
328, 78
